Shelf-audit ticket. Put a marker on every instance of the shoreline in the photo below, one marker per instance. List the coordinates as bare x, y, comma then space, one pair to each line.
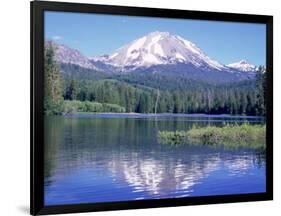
162, 115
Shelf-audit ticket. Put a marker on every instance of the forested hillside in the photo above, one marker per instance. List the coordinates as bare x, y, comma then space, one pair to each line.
70, 88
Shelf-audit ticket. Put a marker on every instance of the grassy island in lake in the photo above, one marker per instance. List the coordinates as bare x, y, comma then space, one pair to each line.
244, 135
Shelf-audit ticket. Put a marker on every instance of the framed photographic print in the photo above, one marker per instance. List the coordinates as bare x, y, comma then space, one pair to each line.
140, 107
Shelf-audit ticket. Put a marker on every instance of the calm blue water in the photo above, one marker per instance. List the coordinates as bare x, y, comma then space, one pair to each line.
112, 157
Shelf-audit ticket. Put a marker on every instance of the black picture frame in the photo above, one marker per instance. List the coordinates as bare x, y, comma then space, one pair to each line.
37, 128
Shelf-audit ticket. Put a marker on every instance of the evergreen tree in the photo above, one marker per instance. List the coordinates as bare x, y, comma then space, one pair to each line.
260, 91
53, 100
71, 91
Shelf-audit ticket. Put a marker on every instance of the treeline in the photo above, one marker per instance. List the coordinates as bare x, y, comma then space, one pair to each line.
233, 99
147, 93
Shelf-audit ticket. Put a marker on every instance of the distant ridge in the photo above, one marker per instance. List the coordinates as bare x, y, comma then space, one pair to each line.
159, 53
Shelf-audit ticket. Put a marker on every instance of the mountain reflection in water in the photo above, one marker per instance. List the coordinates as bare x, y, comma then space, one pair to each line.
113, 159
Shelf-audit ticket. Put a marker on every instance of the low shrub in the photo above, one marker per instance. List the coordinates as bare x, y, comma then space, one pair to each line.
244, 135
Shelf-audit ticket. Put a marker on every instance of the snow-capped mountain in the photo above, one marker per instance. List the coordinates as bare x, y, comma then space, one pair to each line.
67, 55
159, 48
243, 65
160, 53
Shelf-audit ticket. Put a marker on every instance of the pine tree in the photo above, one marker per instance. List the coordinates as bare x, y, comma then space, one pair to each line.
260, 91
53, 100
72, 91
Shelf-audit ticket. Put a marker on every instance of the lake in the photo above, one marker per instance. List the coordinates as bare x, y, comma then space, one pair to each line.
93, 158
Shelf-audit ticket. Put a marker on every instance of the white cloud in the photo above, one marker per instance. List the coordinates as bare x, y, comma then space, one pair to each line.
57, 37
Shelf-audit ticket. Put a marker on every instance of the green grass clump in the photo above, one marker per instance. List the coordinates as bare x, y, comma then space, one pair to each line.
76, 106
172, 137
244, 135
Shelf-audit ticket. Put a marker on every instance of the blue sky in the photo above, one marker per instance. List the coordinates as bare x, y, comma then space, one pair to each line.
95, 34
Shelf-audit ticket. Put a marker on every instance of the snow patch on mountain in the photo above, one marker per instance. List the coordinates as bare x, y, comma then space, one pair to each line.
243, 65
158, 50
136, 45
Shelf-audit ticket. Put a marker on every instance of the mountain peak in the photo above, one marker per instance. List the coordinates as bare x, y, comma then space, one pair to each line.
155, 33
243, 61
67, 55
158, 48
243, 65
